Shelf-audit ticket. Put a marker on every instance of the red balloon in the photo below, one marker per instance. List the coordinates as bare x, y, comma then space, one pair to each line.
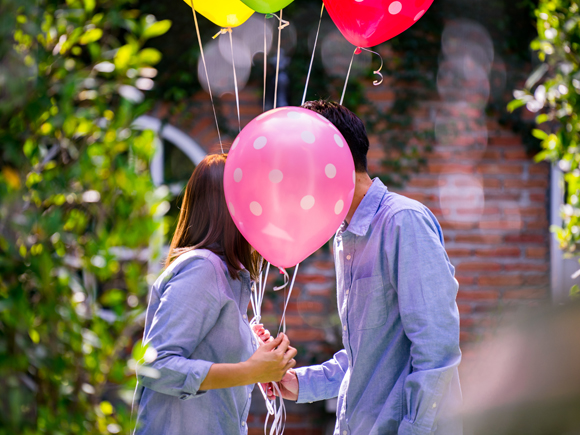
366, 23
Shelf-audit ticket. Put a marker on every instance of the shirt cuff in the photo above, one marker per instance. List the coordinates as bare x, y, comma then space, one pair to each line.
311, 381
194, 380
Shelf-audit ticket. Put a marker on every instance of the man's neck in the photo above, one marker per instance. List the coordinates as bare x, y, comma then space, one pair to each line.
362, 185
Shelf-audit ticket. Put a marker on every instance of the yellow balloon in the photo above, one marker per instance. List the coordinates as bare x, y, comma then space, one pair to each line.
224, 13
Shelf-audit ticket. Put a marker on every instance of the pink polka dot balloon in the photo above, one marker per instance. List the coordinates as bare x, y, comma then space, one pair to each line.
289, 182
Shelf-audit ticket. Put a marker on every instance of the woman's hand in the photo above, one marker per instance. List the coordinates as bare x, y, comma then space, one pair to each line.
272, 360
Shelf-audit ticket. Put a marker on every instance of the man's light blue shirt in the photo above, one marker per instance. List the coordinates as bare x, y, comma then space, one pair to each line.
396, 290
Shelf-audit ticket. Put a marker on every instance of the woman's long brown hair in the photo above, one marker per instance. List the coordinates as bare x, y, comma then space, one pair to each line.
204, 221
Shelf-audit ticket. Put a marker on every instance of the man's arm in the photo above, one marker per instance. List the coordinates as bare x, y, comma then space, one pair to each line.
317, 382
426, 288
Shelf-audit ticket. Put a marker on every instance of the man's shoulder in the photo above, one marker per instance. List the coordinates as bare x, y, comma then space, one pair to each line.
394, 203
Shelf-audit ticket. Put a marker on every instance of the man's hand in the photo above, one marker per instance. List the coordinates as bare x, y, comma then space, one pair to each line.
288, 387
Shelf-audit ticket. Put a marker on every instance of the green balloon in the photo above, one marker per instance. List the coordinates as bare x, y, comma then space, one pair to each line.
267, 6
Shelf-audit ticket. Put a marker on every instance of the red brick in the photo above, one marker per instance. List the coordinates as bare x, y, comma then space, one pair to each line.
457, 225
525, 211
541, 168
491, 183
525, 184
294, 320
458, 252
500, 280
303, 278
537, 280
532, 267
417, 196
538, 225
525, 238
488, 239
506, 251
464, 280
324, 265
491, 154
505, 141
538, 197
500, 225
476, 266
309, 334
515, 154
470, 211
464, 308
310, 306
536, 252
526, 294
450, 168
470, 295
489, 168
465, 336
424, 183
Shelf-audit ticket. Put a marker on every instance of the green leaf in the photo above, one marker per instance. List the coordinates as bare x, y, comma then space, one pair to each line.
515, 104
91, 35
157, 29
123, 56
150, 56
539, 134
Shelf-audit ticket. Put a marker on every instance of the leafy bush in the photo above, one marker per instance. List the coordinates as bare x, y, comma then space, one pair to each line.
553, 91
77, 207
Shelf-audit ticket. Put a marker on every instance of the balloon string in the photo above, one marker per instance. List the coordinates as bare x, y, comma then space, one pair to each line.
377, 72
312, 58
278, 59
206, 75
283, 321
235, 80
265, 67
347, 76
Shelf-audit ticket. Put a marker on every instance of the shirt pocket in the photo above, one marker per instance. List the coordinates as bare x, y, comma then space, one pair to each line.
368, 307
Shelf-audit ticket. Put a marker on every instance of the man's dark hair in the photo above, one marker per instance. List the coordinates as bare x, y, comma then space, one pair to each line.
350, 125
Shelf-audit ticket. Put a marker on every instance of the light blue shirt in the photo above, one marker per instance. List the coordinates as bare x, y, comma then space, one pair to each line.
197, 316
396, 297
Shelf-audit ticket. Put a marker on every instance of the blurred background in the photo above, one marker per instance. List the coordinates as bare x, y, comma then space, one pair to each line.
104, 114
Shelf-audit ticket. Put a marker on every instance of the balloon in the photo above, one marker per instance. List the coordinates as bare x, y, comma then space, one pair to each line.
366, 23
289, 181
224, 13
267, 6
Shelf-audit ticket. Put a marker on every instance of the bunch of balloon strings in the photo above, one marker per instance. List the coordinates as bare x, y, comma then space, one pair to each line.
276, 406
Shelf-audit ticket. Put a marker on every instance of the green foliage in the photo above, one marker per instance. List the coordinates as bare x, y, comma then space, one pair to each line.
553, 91
76, 207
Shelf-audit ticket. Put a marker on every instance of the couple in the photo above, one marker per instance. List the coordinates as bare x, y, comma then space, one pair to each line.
397, 373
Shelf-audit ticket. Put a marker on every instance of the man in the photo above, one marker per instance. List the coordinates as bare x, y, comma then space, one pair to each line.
397, 373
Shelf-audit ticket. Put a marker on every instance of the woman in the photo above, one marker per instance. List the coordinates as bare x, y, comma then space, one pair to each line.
207, 359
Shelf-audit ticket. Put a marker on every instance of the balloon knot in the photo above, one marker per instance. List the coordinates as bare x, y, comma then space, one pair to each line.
358, 51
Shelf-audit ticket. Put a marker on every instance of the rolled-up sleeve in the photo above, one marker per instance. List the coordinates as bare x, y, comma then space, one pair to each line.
426, 289
188, 308
320, 382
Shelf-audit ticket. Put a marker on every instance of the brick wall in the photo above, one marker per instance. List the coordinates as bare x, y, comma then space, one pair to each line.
487, 193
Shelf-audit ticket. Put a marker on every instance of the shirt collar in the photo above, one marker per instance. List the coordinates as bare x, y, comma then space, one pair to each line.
366, 210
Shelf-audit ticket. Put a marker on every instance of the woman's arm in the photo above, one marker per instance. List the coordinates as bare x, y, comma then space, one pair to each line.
268, 364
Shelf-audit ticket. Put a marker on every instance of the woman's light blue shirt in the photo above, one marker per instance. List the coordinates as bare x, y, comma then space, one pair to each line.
396, 295
197, 316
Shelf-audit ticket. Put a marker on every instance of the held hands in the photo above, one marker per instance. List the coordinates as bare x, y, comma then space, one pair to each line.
272, 359
288, 387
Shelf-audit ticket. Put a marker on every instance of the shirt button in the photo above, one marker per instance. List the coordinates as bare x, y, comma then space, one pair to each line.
244, 316
344, 327
348, 257
344, 432
347, 292
243, 423
250, 395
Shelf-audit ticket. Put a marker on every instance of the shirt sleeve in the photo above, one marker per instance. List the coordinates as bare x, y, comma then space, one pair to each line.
322, 381
426, 287
188, 308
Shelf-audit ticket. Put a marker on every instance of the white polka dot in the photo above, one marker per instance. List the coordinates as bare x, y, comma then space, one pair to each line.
293, 115
339, 206
262, 116
338, 140
260, 142
255, 208
238, 175
232, 209
308, 136
395, 8
307, 202
322, 117
235, 144
275, 176
419, 15
330, 170
353, 177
